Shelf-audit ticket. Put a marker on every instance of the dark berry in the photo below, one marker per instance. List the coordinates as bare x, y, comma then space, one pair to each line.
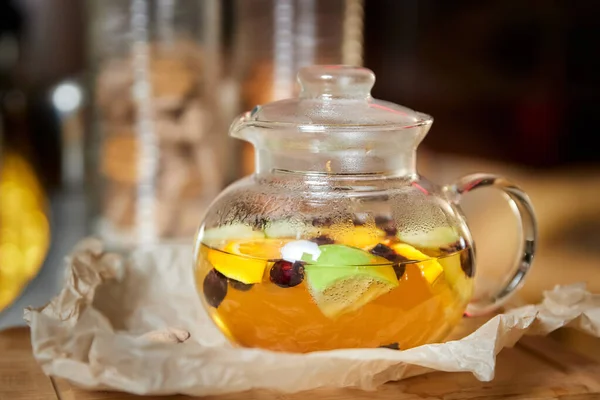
393, 346
323, 239
388, 253
322, 222
384, 251
260, 223
214, 288
399, 269
453, 247
381, 220
466, 262
358, 222
390, 230
237, 285
387, 225
286, 274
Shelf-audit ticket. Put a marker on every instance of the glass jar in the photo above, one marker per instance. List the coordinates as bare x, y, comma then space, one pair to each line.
336, 241
156, 153
274, 38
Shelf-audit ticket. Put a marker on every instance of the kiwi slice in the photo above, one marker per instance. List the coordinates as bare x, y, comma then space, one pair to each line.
436, 238
341, 280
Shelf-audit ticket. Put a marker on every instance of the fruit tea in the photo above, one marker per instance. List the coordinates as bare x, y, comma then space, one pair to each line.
361, 287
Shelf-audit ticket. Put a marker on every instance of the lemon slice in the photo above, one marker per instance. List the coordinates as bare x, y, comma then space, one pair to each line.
430, 267
456, 277
440, 236
363, 237
341, 280
246, 260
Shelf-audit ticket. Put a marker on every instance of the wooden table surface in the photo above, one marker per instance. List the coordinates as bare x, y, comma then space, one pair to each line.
537, 368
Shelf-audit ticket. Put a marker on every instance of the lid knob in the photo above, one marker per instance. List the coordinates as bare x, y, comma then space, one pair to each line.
336, 81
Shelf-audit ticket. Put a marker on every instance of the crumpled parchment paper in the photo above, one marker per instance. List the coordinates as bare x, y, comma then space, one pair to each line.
136, 324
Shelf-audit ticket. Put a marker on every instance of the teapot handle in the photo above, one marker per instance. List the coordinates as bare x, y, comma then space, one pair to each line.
521, 206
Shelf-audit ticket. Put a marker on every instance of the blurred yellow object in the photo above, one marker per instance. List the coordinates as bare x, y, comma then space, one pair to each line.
24, 228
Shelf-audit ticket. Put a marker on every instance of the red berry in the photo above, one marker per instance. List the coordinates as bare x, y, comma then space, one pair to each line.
286, 274
466, 262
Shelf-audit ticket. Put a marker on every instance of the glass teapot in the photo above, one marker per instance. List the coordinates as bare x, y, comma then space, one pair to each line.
336, 241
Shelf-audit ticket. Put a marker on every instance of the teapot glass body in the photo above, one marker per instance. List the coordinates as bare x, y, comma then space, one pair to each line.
336, 241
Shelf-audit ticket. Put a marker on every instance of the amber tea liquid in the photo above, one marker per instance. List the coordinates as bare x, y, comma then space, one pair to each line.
427, 301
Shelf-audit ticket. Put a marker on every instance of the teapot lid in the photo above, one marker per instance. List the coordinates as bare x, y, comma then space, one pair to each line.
338, 96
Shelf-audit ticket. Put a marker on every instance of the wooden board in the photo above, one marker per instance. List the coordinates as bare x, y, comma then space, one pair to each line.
537, 368
20, 376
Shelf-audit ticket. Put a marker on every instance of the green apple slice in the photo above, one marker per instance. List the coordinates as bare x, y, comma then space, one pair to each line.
441, 236
229, 232
342, 281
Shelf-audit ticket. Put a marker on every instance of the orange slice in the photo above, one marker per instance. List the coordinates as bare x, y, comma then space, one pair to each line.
245, 260
266, 249
363, 237
430, 267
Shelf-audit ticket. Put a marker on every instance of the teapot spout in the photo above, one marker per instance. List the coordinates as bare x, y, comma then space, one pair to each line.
423, 128
238, 125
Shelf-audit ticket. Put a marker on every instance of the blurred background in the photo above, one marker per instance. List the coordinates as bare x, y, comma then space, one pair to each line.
114, 116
